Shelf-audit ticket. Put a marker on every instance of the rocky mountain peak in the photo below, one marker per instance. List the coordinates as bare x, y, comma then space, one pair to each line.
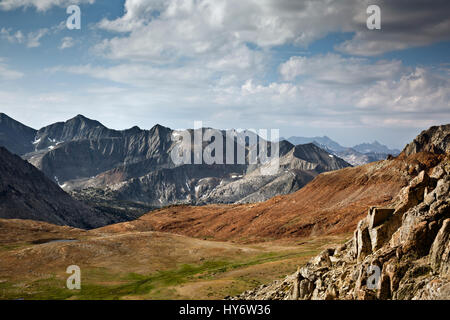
134, 129
325, 161
160, 129
85, 121
436, 140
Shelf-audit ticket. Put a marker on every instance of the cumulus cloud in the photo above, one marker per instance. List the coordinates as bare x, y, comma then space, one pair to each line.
347, 92
384, 86
343, 91
159, 30
420, 91
166, 30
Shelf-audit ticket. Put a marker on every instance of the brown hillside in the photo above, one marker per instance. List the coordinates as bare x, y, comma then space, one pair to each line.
332, 203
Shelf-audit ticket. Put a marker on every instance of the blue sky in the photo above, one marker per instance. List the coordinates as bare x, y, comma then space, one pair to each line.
305, 67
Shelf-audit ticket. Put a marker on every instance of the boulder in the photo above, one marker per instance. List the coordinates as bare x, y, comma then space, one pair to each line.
362, 241
378, 216
440, 250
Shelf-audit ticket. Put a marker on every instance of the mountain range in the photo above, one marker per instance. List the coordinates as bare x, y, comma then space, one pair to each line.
332, 203
357, 155
133, 168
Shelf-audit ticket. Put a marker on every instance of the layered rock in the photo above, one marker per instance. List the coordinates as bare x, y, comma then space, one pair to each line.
435, 140
398, 252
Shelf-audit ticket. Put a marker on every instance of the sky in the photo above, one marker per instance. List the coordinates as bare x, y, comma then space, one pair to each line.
307, 68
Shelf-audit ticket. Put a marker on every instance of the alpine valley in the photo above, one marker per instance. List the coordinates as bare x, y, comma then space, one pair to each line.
143, 227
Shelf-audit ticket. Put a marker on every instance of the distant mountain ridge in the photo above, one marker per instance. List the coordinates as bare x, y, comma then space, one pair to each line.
320, 141
357, 155
105, 165
375, 147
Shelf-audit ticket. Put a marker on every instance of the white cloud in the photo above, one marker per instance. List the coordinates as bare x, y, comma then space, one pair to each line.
34, 38
163, 31
335, 69
347, 92
330, 88
31, 39
16, 37
420, 91
66, 43
139, 75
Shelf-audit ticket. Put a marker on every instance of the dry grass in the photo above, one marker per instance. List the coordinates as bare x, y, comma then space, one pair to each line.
144, 265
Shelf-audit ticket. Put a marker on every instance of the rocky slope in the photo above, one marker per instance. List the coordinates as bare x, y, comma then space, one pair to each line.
398, 251
408, 242
332, 203
297, 167
160, 183
26, 193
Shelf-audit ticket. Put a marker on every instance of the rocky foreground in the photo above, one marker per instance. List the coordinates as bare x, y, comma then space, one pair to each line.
407, 242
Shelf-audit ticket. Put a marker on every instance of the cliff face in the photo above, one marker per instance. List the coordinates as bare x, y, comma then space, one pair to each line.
205, 184
435, 140
408, 243
26, 193
400, 251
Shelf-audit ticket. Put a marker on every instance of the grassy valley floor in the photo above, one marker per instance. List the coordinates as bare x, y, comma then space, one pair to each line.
140, 265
